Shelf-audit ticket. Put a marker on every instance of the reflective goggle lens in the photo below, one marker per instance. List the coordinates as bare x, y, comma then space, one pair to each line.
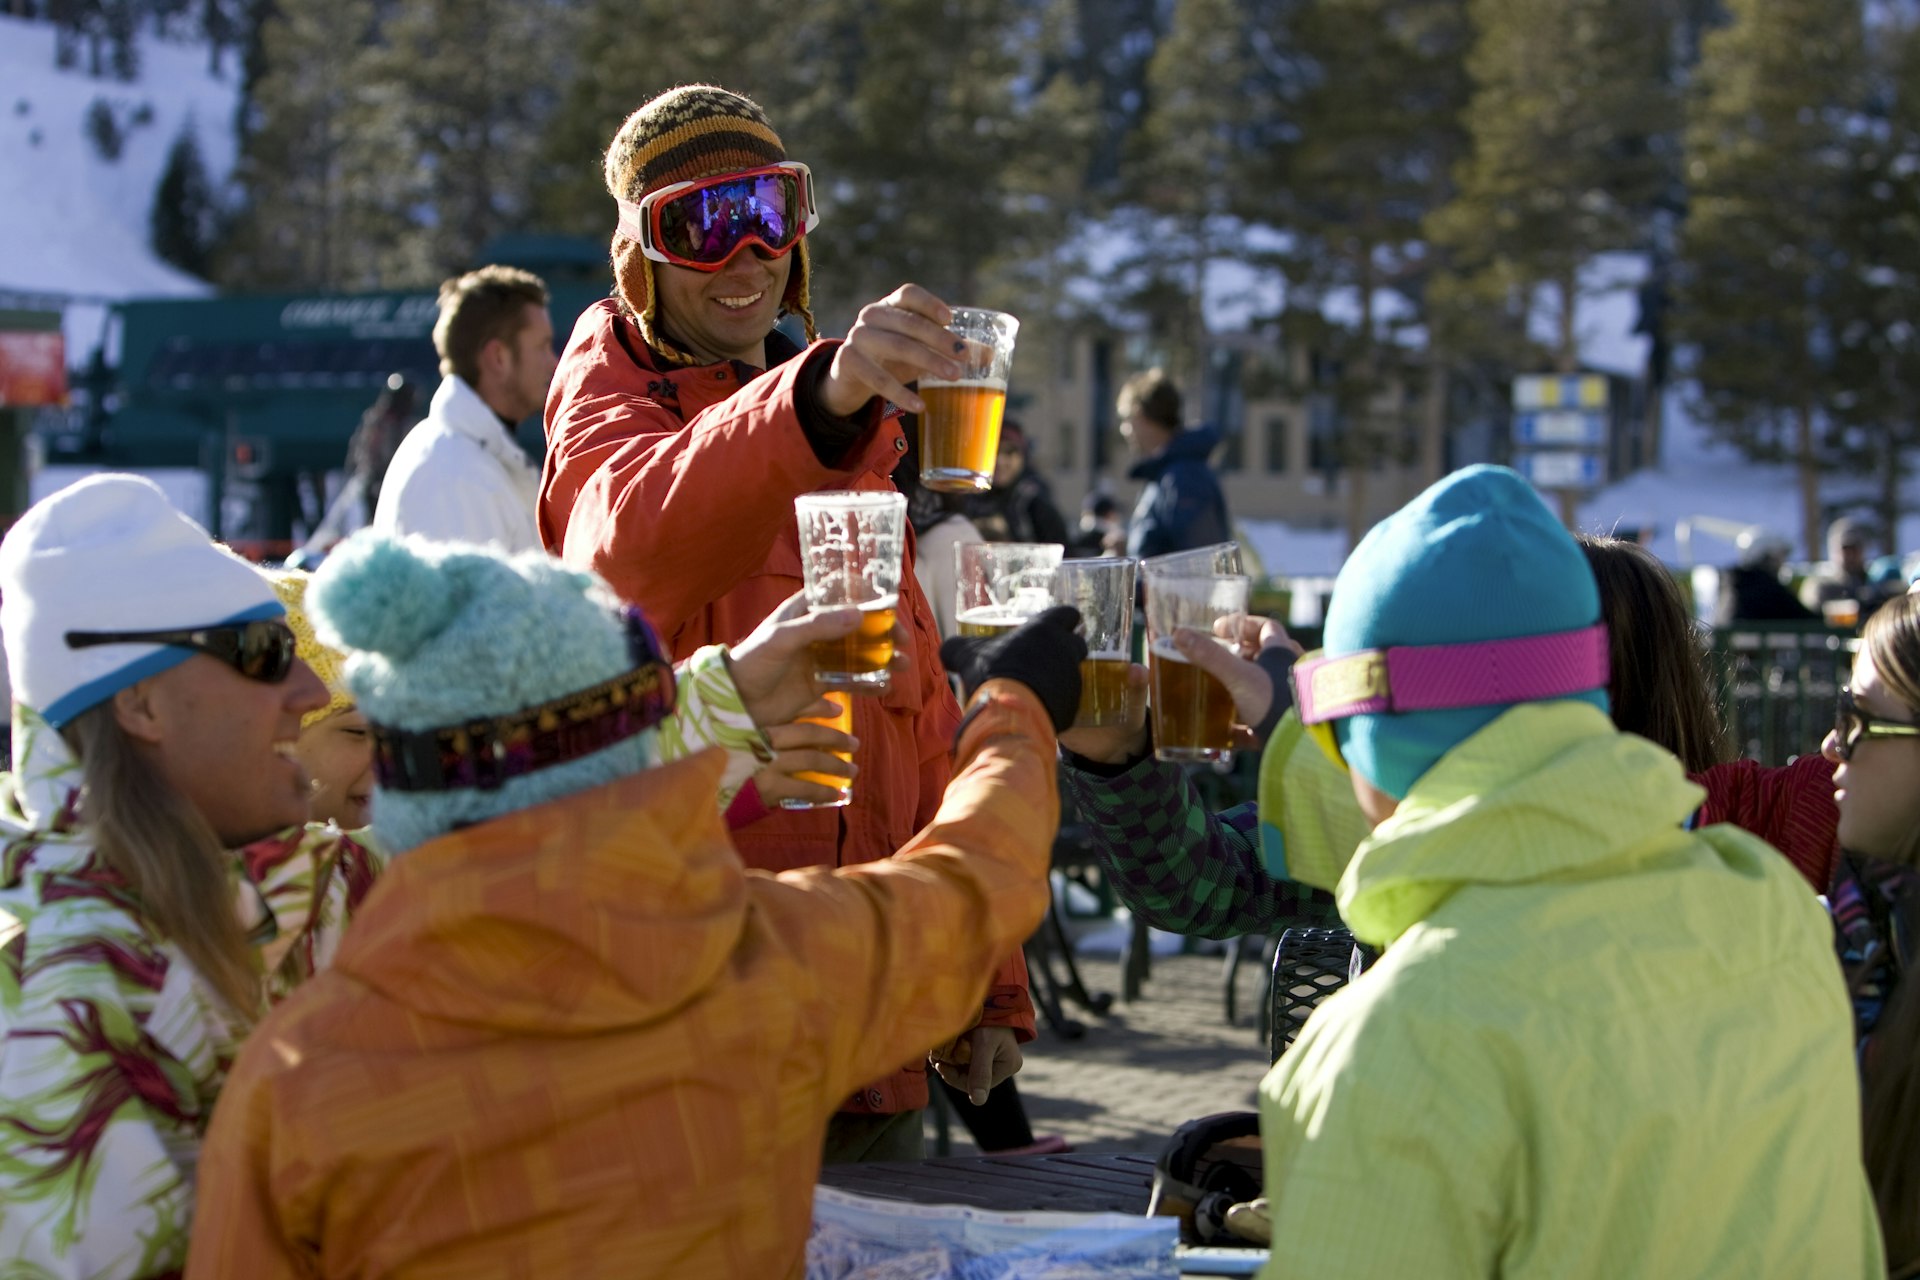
706, 225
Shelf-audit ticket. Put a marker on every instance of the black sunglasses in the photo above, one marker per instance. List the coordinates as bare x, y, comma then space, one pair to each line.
1852, 726
261, 650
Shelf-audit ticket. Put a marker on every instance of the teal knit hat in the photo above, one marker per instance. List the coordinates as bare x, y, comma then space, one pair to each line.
1476, 557
441, 636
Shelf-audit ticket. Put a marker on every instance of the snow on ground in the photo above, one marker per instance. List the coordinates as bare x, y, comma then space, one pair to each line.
74, 225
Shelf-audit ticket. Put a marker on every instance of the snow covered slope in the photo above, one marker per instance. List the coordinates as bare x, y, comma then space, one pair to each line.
73, 225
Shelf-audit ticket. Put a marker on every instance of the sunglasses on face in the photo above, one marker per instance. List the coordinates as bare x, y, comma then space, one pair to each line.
1852, 726
261, 650
703, 224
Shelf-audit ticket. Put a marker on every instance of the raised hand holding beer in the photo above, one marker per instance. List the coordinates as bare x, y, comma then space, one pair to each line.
900, 338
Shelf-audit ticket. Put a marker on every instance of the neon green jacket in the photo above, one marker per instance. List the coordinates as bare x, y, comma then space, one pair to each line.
1598, 1045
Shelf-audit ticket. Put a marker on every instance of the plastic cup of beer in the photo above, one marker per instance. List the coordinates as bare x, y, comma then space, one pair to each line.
1192, 711
1102, 590
843, 721
960, 431
999, 585
850, 557
1841, 613
1207, 561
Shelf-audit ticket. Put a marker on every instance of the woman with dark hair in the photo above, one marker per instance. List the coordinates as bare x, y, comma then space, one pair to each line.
1875, 745
1660, 688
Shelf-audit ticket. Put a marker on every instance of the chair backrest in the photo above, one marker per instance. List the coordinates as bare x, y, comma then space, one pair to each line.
1308, 966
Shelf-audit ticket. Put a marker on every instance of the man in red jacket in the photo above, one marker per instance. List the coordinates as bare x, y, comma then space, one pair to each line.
680, 428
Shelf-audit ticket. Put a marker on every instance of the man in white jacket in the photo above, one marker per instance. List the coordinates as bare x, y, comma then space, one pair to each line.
459, 476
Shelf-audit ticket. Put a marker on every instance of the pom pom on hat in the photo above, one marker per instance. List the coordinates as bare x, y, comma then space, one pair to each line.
1478, 556
111, 553
442, 634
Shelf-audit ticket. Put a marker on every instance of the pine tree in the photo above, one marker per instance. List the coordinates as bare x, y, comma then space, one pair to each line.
322, 194
1189, 160
1572, 121
949, 151
1877, 343
184, 215
1374, 132
1769, 277
465, 90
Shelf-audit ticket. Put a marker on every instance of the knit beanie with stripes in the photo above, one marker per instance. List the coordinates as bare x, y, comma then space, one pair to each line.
692, 132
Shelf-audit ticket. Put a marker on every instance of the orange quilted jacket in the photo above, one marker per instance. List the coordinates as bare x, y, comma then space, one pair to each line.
582, 1040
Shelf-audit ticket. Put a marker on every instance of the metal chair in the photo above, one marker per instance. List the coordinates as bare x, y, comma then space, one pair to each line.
1308, 966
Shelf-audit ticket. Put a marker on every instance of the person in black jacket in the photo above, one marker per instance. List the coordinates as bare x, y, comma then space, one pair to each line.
1751, 591
1019, 507
1182, 505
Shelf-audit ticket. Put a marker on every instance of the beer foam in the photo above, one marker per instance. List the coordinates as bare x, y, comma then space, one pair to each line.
992, 615
1114, 656
984, 384
872, 606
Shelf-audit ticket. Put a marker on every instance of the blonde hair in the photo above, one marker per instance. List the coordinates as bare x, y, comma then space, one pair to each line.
170, 857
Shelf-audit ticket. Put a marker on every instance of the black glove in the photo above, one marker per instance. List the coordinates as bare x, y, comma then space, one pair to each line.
1043, 653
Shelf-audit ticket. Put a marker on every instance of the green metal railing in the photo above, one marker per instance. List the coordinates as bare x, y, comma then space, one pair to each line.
1778, 682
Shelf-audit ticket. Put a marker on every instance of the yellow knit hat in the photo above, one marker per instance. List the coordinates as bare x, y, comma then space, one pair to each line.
291, 586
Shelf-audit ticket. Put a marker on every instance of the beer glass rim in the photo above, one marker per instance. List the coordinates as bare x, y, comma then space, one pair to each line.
850, 499
1010, 321
1161, 564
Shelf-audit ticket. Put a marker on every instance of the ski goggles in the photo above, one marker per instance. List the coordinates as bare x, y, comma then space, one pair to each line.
261, 650
702, 224
1444, 677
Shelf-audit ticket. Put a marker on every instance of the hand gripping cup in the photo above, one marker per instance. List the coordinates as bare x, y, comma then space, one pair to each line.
1002, 584
1102, 590
1192, 711
850, 555
960, 431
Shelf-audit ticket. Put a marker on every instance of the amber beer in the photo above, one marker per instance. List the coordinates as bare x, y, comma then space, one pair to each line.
960, 433
1192, 710
1105, 698
860, 659
843, 721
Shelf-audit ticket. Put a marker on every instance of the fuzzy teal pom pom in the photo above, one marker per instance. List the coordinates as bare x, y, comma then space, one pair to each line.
381, 595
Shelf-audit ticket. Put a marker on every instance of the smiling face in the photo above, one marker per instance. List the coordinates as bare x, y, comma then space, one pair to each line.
337, 753
725, 314
226, 743
1878, 790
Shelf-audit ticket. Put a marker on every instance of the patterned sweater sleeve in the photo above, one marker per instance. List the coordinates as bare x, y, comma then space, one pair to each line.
708, 711
1179, 866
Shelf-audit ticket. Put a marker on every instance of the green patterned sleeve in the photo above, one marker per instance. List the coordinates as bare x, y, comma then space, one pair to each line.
708, 711
1181, 867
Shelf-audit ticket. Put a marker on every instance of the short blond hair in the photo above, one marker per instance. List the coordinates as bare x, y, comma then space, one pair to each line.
1156, 397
